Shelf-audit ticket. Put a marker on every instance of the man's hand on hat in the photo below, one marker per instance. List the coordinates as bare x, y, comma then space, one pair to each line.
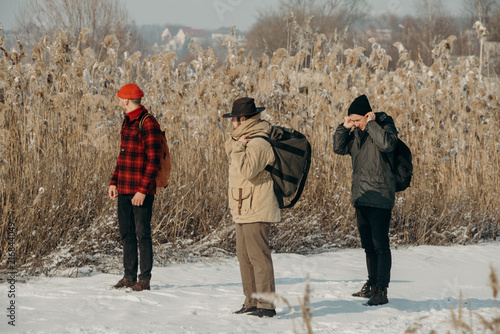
370, 116
348, 123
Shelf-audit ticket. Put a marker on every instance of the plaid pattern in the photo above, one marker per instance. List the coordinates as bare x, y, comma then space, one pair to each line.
139, 158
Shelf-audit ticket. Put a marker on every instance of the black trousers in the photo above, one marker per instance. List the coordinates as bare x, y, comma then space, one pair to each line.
135, 228
373, 227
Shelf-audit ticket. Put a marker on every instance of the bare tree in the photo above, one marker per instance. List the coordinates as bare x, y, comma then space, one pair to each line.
102, 17
433, 26
473, 11
494, 27
276, 28
326, 14
480, 10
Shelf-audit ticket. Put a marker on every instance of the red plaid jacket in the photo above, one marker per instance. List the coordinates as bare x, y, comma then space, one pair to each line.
139, 158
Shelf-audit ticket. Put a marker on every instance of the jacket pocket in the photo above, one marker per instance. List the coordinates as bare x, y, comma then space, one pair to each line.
241, 200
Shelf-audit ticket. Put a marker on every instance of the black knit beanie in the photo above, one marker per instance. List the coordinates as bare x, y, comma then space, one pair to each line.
360, 106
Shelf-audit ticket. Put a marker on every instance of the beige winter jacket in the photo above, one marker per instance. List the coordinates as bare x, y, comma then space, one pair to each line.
251, 194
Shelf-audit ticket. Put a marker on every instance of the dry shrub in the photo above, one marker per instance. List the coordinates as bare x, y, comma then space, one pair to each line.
59, 131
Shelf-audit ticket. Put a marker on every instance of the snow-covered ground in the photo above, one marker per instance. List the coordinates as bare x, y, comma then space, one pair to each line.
200, 297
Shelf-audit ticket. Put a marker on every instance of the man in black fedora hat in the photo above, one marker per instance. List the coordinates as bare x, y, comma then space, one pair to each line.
252, 202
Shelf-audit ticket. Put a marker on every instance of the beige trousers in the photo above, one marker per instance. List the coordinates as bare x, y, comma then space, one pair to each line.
256, 265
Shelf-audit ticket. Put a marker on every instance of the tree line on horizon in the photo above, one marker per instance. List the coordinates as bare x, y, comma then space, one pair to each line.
274, 28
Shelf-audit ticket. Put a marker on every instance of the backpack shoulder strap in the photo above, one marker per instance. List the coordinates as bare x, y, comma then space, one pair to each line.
141, 121
269, 140
282, 146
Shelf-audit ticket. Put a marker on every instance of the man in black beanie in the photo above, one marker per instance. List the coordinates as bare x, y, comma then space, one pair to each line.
370, 139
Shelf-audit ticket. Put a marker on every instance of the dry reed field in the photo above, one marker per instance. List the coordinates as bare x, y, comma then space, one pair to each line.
59, 139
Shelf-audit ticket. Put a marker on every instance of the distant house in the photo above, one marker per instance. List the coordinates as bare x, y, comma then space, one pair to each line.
196, 34
173, 38
183, 35
166, 34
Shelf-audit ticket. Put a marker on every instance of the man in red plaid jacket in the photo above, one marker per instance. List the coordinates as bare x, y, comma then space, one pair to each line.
133, 184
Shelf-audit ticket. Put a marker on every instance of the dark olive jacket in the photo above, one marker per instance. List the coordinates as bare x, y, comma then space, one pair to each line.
372, 154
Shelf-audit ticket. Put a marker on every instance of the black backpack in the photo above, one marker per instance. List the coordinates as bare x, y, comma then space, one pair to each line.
403, 167
291, 165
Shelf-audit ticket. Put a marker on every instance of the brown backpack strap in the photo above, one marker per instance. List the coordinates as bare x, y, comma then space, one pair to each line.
141, 121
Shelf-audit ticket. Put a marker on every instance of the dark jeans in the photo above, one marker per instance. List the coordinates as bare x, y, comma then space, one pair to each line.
373, 226
135, 227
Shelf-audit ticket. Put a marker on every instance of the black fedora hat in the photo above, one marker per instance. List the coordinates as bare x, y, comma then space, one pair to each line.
244, 106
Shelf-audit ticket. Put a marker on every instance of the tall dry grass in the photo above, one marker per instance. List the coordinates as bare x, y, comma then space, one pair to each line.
59, 135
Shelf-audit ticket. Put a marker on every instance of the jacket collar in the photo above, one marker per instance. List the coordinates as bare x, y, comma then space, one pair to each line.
252, 126
134, 114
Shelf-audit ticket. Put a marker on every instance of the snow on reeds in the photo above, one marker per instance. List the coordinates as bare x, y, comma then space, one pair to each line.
59, 131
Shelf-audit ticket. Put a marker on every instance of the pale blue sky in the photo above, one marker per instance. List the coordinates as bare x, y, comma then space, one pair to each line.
211, 14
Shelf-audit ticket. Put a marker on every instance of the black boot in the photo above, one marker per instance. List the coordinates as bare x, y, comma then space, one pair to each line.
246, 309
263, 312
379, 296
365, 292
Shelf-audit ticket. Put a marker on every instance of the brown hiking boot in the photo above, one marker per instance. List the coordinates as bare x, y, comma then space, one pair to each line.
124, 283
141, 285
365, 292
